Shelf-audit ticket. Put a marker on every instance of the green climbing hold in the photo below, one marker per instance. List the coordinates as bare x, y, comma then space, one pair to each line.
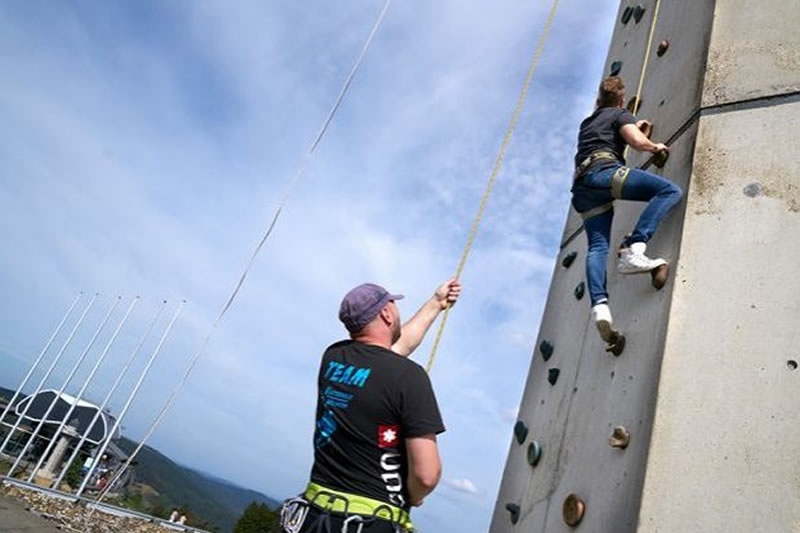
616, 67
627, 14
569, 259
547, 350
552, 375
520, 431
534, 453
580, 290
513, 509
638, 13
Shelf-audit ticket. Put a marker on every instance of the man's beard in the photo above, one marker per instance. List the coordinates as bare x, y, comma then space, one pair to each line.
396, 332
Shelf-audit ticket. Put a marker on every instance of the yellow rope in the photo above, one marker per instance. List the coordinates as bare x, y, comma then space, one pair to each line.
638, 100
496, 169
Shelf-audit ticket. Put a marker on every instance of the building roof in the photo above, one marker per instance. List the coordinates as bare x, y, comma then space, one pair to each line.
80, 418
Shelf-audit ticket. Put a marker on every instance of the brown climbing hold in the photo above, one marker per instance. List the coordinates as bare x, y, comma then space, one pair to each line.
660, 275
620, 438
573, 510
646, 128
660, 158
616, 344
662, 48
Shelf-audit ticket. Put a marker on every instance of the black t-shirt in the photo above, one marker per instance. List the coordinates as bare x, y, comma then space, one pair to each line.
369, 401
600, 131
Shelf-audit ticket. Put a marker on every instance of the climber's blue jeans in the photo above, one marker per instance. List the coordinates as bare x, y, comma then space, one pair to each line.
593, 190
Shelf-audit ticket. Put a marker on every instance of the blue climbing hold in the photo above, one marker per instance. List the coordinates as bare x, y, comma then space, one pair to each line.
547, 350
513, 509
534, 453
580, 290
616, 67
627, 14
520, 431
638, 13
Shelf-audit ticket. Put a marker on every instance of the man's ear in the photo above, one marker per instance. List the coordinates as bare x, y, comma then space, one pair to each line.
386, 315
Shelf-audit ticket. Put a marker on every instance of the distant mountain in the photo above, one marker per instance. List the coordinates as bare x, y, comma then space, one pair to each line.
217, 501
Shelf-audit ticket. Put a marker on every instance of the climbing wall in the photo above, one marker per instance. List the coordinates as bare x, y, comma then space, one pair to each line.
712, 433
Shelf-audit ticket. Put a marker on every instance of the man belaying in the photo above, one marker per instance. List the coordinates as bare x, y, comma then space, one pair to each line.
601, 177
375, 451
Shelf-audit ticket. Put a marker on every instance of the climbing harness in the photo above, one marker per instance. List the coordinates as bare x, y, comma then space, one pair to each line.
343, 502
591, 159
288, 190
356, 512
496, 169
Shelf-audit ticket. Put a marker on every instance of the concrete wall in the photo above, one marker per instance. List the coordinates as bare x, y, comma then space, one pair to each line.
708, 383
726, 434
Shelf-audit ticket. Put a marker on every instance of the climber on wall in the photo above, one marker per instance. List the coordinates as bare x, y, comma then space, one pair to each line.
601, 177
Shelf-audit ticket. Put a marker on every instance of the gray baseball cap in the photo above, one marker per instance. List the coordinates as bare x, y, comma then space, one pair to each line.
362, 304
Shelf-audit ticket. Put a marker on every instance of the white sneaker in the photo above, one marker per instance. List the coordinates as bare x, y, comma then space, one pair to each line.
633, 261
601, 314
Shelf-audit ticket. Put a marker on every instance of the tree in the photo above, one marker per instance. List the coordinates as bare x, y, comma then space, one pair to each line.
258, 518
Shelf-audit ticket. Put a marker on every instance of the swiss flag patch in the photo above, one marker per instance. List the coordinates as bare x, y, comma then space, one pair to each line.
388, 436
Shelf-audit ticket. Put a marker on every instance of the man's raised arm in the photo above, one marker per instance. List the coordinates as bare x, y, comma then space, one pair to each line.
414, 330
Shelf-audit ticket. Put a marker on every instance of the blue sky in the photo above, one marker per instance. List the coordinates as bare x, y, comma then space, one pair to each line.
144, 146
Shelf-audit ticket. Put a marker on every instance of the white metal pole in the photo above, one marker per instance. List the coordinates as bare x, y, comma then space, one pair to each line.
71, 374
39, 358
111, 392
85, 386
49, 371
135, 391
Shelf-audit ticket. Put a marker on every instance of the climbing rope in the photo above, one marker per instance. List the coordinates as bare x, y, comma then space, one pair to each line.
638, 98
496, 169
287, 193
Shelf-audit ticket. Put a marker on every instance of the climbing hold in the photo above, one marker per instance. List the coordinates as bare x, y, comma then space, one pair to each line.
753, 190
616, 67
569, 259
627, 14
513, 509
660, 275
663, 46
573, 510
580, 290
534, 453
660, 158
552, 375
791, 364
647, 128
634, 104
520, 431
619, 438
616, 345
638, 13
547, 350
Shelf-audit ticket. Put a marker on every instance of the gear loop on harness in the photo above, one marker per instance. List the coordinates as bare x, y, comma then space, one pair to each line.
293, 514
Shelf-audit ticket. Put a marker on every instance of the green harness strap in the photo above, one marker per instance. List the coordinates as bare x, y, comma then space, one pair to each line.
343, 502
617, 182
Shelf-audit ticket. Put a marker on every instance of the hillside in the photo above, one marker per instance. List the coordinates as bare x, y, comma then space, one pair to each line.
210, 499
163, 485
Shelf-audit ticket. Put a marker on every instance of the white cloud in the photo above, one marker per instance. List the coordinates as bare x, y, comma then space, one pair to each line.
463, 485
